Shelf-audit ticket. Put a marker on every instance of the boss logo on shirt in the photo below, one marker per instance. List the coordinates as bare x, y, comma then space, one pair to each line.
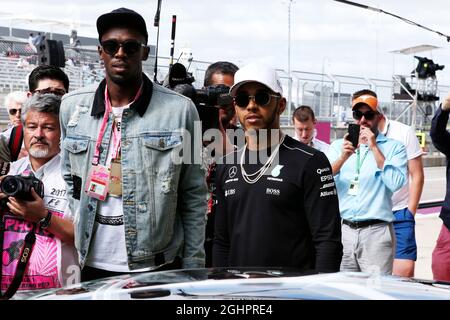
230, 192
273, 192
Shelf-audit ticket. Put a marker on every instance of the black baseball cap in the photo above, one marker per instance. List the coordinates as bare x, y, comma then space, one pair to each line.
121, 17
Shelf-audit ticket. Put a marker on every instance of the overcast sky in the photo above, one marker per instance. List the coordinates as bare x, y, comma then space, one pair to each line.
325, 34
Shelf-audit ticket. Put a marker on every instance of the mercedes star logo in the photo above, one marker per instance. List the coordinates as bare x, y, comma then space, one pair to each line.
232, 172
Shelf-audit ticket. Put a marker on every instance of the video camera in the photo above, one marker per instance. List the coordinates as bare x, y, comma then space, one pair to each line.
427, 68
207, 100
19, 186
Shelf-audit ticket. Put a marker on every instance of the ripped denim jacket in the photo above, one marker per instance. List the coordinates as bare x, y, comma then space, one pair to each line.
163, 200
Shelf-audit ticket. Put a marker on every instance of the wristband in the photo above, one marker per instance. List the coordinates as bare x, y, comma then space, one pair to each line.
44, 223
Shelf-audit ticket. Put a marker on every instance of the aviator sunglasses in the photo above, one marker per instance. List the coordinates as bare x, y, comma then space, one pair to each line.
129, 46
368, 115
14, 111
261, 98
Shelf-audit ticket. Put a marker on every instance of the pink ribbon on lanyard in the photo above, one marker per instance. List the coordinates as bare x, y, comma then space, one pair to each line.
116, 138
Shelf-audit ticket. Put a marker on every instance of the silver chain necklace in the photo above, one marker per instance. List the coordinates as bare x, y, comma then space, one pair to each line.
260, 172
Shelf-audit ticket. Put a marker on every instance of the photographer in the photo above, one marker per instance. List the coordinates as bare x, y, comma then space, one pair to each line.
216, 109
220, 73
36, 206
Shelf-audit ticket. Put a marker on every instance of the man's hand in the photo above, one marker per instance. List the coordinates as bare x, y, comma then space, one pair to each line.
446, 103
367, 137
347, 148
32, 211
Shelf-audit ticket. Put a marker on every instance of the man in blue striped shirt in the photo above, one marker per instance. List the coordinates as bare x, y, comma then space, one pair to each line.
366, 176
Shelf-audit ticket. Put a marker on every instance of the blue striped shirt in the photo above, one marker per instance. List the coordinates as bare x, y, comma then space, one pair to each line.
376, 186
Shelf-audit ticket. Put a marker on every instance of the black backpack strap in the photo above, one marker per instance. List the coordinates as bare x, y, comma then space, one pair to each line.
15, 142
24, 258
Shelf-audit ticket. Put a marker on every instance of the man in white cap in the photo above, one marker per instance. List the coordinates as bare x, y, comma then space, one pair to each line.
276, 198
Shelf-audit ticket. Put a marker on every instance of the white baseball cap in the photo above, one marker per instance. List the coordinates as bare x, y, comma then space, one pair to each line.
256, 72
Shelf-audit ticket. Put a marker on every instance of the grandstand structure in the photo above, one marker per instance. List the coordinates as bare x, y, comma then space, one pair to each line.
83, 67
328, 94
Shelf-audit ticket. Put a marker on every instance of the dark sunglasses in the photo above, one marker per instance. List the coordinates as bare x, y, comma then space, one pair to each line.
261, 98
369, 115
129, 46
55, 91
14, 111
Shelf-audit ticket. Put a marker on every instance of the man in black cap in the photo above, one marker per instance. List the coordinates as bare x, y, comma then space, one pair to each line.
138, 207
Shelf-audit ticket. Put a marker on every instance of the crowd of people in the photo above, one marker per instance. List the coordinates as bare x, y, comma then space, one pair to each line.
91, 185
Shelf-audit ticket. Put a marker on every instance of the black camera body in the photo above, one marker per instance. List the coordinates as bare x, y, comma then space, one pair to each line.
213, 96
206, 100
19, 186
427, 68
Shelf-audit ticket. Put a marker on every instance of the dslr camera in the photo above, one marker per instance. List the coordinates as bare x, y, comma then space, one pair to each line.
213, 96
19, 186
206, 100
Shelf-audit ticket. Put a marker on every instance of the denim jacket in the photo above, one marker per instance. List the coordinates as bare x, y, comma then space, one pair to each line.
163, 200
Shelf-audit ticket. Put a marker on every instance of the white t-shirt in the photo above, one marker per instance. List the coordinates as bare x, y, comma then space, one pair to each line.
316, 143
320, 145
52, 263
108, 249
406, 135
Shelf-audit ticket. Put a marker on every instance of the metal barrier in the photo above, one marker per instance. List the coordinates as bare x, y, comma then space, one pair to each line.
328, 94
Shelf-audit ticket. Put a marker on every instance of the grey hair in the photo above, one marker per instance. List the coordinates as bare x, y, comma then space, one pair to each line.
47, 103
17, 96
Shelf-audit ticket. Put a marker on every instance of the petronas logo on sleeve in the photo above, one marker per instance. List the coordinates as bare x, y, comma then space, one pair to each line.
276, 171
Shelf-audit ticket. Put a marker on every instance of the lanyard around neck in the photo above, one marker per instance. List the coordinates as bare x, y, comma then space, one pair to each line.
116, 139
359, 163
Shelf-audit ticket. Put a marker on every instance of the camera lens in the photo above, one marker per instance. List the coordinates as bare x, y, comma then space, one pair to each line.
11, 185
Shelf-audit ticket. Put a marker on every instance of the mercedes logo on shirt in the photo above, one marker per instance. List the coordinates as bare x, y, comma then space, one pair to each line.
232, 172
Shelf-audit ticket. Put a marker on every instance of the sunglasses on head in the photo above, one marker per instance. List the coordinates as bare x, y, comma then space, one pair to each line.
128, 46
261, 98
368, 115
55, 91
14, 111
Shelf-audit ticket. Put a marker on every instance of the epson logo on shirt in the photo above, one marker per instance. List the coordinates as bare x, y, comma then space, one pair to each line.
326, 178
273, 192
